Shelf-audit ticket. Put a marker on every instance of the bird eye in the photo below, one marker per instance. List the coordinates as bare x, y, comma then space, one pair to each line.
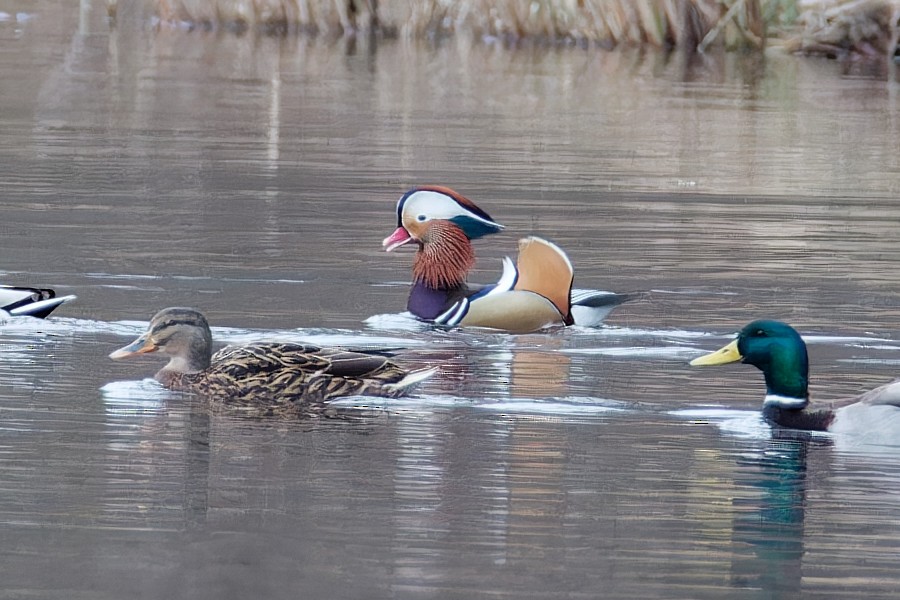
760, 333
421, 218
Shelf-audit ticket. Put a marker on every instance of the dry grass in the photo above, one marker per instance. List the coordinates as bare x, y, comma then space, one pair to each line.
663, 23
603, 22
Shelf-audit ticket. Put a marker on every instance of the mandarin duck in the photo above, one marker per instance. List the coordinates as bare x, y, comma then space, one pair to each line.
32, 302
535, 292
277, 377
776, 349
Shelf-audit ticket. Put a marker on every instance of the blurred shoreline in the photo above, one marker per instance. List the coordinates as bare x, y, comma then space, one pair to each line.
834, 28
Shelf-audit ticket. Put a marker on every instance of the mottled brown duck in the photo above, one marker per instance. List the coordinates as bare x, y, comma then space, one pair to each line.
267, 376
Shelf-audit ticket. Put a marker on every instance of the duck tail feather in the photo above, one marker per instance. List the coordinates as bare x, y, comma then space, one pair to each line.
39, 309
591, 307
411, 380
600, 298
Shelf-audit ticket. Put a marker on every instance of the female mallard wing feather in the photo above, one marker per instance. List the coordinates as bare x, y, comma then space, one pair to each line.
272, 373
288, 372
264, 357
345, 363
378, 373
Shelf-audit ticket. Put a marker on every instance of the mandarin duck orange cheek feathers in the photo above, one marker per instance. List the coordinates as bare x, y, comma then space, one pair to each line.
534, 293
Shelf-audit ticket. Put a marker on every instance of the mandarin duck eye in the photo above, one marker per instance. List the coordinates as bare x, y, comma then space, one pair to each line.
421, 218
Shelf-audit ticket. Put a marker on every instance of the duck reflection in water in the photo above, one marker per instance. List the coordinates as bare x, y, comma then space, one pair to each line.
521, 367
768, 526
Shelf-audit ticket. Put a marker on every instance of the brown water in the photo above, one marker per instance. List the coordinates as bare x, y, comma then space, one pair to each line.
255, 177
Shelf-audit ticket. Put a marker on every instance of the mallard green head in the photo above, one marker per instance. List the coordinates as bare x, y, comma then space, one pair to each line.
776, 349
182, 334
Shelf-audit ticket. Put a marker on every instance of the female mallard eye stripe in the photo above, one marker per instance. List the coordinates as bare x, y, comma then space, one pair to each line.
172, 323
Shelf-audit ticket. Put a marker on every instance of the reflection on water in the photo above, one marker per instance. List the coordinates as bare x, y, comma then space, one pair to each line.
255, 177
427, 496
768, 527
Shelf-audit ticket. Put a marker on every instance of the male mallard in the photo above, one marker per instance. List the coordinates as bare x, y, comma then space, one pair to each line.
274, 375
777, 350
32, 302
534, 293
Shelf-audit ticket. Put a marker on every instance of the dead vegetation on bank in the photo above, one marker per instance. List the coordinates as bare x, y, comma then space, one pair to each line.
831, 27
837, 28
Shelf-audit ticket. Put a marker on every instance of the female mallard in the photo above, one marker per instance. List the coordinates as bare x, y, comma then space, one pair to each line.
276, 375
31, 302
534, 293
778, 351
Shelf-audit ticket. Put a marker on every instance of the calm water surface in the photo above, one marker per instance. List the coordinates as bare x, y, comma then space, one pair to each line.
254, 178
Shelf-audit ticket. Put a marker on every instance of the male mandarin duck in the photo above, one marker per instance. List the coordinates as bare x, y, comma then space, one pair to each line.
534, 293
776, 349
277, 377
32, 302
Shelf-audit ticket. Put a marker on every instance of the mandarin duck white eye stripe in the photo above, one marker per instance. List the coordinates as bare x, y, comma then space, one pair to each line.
424, 205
